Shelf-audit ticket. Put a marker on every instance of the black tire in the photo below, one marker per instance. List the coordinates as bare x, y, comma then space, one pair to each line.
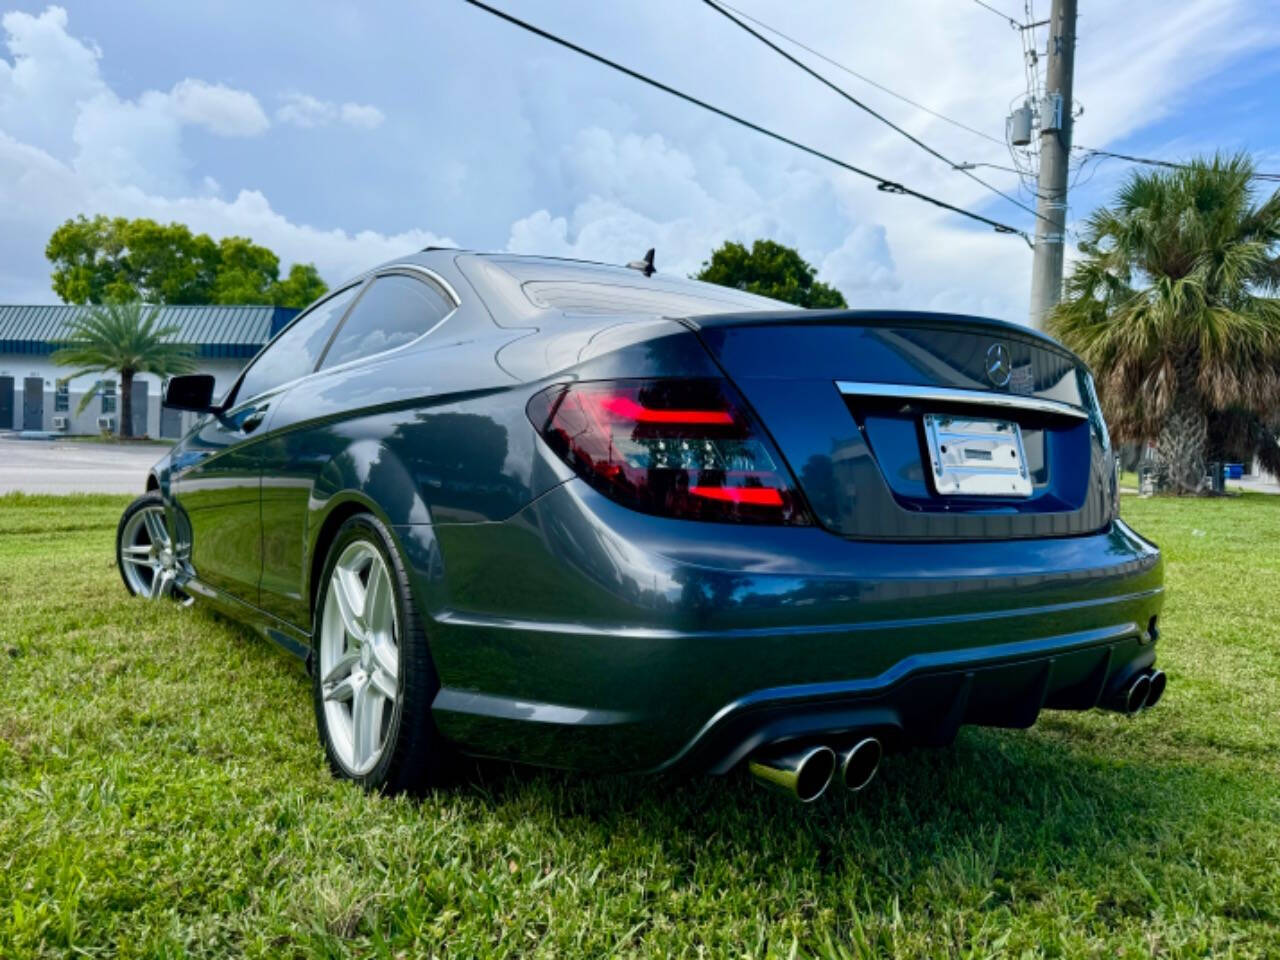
415, 758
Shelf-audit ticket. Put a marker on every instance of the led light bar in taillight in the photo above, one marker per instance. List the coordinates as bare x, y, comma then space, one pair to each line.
678, 448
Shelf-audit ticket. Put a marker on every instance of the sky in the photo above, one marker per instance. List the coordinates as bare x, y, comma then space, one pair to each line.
346, 134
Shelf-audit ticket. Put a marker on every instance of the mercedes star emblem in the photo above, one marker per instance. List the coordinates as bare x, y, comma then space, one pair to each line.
999, 369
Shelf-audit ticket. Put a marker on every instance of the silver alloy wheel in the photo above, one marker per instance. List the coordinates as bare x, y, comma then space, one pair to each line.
359, 657
151, 562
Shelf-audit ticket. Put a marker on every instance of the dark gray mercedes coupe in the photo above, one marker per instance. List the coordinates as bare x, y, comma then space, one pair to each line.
595, 517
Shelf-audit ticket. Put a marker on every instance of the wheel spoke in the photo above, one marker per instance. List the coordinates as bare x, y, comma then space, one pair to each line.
155, 528
345, 587
377, 601
142, 561
340, 669
159, 583
366, 723
342, 691
384, 683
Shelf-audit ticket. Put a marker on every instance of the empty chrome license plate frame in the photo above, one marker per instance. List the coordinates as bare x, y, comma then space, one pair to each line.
974, 457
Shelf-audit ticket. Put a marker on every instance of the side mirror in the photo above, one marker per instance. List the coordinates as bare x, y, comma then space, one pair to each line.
190, 392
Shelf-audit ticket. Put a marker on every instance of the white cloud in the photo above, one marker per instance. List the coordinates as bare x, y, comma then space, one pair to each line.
701, 182
362, 115
303, 110
37, 192
636, 181
50, 74
69, 145
224, 111
53, 97
306, 111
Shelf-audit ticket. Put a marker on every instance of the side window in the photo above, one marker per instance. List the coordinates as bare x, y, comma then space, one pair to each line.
394, 311
294, 353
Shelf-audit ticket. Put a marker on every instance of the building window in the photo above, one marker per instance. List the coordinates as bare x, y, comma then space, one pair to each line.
107, 391
61, 397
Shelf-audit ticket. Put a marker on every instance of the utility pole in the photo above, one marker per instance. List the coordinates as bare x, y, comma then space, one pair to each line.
1055, 151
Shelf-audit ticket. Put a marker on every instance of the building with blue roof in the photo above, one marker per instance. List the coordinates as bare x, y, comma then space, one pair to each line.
34, 394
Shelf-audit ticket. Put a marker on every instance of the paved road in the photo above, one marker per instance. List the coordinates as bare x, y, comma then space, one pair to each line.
66, 466
1256, 484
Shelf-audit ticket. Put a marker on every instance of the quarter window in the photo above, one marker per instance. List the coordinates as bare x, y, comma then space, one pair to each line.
294, 353
396, 310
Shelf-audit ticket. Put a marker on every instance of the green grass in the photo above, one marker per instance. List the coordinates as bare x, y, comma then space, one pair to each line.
162, 794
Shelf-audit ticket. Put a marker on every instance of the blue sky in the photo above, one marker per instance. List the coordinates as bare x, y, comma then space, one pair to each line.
348, 133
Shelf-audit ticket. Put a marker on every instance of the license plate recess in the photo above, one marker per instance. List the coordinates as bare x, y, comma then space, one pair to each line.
970, 457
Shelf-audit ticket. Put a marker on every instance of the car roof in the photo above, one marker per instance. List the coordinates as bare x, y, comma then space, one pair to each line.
532, 268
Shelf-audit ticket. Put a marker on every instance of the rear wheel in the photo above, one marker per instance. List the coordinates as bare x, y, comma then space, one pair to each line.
373, 679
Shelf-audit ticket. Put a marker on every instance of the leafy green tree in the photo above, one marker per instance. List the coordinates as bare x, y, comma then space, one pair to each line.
770, 270
247, 273
114, 260
302, 286
1174, 307
122, 337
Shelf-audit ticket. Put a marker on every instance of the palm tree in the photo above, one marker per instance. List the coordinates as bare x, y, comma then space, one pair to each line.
1174, 307
123, 337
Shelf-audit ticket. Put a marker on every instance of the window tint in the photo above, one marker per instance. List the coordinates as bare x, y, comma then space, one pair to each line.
295, 352
393, 312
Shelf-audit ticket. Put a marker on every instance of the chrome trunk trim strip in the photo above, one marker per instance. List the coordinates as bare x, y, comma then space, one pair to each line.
986, 398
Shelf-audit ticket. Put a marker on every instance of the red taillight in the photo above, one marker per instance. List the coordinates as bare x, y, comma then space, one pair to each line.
678, 448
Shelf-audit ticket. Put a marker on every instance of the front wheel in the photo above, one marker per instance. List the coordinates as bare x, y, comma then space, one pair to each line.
150, 560
373, 678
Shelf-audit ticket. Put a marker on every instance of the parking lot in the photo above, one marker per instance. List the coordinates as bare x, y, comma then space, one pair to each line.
75, 466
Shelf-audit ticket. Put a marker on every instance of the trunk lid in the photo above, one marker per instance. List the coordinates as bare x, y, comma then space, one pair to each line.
851, 398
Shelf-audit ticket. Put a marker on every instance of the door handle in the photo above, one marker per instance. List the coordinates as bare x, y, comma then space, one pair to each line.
253, 420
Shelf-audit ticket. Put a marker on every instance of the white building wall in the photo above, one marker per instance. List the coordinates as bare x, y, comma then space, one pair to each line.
24, 365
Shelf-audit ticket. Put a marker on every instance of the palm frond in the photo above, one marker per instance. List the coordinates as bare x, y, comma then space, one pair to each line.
1170, 302
123, 336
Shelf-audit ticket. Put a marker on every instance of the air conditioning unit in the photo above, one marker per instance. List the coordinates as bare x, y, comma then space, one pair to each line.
60, 422
107, 424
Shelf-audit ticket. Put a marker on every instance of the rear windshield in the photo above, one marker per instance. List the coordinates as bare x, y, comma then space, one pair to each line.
595, 297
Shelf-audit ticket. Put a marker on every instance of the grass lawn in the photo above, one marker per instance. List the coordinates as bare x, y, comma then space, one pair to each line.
162, 794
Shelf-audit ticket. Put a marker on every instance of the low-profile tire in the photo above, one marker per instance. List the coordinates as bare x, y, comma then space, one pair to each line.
151, 564
373, 679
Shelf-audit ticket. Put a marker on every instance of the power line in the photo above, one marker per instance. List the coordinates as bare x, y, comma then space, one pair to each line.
1003, 16
862, 106
853, 73
1150, 162
882, 183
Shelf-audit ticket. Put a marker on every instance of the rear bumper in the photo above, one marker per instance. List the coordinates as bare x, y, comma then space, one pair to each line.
579, 634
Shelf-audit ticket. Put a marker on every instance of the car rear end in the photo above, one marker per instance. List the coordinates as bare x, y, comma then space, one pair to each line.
848, 526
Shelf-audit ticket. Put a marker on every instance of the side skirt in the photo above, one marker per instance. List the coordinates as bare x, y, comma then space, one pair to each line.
286, 636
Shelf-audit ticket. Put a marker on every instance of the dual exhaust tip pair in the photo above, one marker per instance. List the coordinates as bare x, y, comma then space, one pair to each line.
1143, 692
805, 772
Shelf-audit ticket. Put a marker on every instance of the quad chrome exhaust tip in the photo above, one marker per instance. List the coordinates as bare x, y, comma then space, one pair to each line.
803, 772
858, 764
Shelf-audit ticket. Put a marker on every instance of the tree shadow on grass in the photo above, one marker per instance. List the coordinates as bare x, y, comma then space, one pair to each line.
997, 811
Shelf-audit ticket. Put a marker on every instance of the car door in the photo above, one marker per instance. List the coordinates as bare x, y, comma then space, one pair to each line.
400, 306
217, 473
